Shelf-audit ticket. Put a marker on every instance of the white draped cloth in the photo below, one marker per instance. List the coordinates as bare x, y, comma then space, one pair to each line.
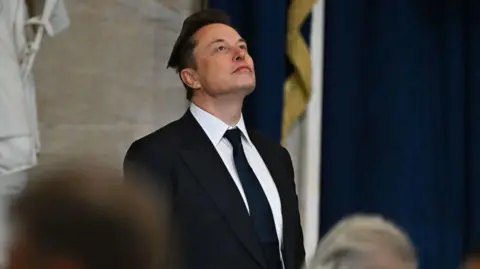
19, 136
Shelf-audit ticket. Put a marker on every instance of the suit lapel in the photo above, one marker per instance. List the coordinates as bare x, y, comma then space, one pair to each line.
208, 168
276, 166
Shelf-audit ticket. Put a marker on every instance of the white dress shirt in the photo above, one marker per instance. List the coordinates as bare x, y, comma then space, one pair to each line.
215, 129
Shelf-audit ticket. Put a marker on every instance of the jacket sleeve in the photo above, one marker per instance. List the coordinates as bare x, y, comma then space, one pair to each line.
144, 164
300, 248
134, 162
148, 165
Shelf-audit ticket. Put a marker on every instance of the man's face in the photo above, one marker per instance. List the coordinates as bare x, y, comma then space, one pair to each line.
224, 66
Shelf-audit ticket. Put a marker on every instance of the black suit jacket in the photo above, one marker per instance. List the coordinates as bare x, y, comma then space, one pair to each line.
214, 222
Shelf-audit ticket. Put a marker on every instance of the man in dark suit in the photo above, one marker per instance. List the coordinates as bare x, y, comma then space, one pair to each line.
232, 189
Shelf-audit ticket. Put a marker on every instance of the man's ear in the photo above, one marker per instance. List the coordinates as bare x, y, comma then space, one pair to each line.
190, 78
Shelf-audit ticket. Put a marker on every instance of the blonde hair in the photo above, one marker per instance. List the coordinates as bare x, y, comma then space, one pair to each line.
348, 241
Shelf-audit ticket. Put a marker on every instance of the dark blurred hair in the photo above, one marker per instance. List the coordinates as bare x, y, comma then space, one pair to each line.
182, 53
91, 216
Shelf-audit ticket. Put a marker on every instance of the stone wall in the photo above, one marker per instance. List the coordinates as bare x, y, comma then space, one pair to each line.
103, 83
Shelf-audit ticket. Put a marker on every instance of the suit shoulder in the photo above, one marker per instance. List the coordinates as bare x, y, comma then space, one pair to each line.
270, 143
166, 138
275, 148
265, 139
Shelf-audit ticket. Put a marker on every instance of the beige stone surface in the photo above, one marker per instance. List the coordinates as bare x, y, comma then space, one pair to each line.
102, 83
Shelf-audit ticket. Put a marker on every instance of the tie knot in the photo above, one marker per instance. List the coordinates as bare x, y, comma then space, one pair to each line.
234, 136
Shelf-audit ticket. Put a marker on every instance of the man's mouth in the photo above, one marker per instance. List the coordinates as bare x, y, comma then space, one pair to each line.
242, 69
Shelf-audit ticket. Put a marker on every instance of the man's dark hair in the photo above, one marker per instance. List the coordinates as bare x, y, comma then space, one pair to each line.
182, 53
91, 218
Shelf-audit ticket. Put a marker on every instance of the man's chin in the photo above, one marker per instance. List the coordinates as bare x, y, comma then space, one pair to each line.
246, 88
239, 90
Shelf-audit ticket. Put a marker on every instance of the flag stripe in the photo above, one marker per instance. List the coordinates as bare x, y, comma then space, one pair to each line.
297, 88
309, 177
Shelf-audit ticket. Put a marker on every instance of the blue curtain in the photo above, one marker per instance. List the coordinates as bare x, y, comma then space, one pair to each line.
263, 25
401, 126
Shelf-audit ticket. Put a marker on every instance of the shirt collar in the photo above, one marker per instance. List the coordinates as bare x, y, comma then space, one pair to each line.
214, 127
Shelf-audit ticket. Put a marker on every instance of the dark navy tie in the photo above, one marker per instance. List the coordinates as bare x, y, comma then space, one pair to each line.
260, 211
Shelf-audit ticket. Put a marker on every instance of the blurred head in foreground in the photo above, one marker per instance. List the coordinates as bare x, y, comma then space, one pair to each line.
365, 242
80, 219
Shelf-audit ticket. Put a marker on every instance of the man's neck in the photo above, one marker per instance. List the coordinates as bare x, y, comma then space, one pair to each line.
228, 111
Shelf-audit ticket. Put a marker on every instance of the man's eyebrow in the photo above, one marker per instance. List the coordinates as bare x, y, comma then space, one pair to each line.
218, 40
221, 40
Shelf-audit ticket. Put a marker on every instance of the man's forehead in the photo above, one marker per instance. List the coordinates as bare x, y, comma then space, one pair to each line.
217, 31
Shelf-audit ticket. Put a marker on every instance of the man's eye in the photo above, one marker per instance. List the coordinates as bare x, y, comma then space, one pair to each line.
243, 47
221, 48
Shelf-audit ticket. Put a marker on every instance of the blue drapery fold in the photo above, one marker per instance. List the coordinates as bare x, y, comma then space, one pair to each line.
472, 110
401, 124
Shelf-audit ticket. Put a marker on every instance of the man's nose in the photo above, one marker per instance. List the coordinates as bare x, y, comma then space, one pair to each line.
239, 54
